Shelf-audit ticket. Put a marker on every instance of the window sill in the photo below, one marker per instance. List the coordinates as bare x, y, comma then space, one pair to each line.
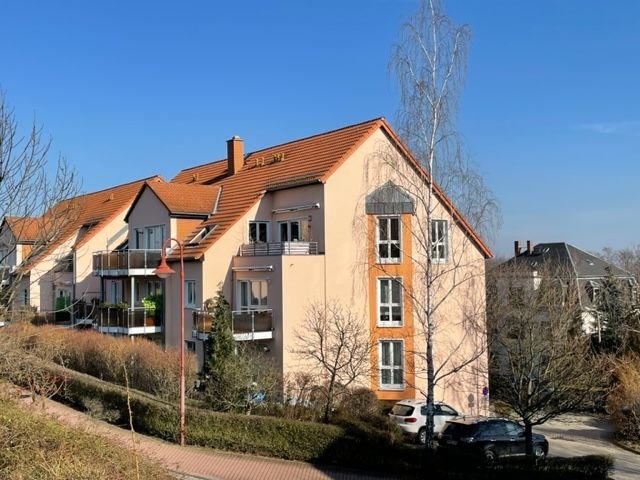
391, 388
388, 261
389, 325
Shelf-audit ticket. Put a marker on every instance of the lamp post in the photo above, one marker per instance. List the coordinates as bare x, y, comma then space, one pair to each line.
164, 271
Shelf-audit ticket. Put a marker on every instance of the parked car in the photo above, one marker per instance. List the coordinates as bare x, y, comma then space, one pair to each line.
488, 439
411, 417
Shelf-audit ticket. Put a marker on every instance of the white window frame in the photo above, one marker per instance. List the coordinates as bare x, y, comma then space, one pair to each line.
190, 294
303, 229
389, 242
389, 305
439, 240
392, 368
267, 225
246, 303
153, 229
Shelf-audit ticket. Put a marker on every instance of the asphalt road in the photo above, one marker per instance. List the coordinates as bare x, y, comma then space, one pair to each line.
574, 435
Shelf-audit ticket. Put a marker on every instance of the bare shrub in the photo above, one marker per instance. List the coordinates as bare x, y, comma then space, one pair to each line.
624, 401
151, 368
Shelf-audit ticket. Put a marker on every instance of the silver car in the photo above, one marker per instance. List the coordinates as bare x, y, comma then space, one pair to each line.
411, 417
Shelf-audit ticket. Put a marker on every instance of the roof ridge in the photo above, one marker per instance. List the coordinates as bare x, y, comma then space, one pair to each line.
319, 134
146, 179
198, 166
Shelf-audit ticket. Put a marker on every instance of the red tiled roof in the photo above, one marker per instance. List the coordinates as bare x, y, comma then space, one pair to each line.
206, 173
24, 229
307, 160
91, 211
186, 198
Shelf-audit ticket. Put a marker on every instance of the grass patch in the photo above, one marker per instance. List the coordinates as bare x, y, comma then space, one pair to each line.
33, 447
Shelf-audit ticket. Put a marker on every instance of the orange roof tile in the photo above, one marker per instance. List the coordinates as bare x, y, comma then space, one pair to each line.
307, 160
206, 173
24, 229
186, 199
91, 212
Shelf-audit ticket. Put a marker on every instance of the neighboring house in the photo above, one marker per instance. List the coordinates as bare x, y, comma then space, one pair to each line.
50, 257
308, 221
578, 269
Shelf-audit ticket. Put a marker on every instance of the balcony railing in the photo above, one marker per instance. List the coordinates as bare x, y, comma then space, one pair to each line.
125, 262
128, 321
245, 324
278, 248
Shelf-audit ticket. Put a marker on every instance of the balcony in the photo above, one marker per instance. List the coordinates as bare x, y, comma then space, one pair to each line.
127, 321
245, 324
115, 263
278, 248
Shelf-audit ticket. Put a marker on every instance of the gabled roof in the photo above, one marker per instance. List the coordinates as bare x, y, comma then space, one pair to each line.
581, 264
189, 200
305, 161
24, 229
87, 214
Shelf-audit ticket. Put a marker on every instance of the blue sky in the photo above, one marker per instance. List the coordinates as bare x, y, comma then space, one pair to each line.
550, 112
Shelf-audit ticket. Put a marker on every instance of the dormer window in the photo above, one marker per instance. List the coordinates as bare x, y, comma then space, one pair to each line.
202, 234
258, 232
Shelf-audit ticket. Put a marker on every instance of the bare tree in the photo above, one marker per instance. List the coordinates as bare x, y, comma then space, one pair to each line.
447, 294
335, 345
33, 197
541, 361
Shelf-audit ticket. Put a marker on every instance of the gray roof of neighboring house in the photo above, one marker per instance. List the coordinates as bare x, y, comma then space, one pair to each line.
581, 263
586, 268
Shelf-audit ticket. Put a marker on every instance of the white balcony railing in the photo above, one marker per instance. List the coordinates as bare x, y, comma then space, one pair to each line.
278, 248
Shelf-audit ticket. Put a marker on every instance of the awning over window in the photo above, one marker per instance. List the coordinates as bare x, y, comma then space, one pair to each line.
389, 199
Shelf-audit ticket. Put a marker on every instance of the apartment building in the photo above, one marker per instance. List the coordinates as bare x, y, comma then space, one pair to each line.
315, 220
334, 217
50, 257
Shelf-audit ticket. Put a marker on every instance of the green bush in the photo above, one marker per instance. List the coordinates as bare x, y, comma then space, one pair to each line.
357, 444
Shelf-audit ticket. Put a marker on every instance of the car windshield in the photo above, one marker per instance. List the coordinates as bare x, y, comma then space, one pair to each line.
402, 410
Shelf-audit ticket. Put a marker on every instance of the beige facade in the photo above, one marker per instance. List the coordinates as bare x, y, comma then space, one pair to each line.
339, 269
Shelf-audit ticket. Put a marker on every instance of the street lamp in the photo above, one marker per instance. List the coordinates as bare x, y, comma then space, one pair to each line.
164, 271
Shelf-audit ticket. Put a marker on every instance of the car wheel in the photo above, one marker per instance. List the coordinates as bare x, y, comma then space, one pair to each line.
490, 456
422, 436
538, 451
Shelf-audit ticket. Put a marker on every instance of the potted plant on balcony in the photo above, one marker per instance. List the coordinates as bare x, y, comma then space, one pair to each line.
152, 303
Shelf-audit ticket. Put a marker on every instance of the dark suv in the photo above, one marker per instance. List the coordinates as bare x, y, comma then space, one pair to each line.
487, 438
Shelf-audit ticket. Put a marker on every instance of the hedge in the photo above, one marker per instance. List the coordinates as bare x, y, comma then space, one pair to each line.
353, 443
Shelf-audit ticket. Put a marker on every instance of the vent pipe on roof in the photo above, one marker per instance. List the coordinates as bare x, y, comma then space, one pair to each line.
235, 155
516, 248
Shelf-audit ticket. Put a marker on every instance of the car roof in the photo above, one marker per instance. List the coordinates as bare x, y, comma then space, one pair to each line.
472, 420
416, 402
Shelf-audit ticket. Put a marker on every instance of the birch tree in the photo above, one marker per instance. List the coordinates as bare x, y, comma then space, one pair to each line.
35, 195
429, 62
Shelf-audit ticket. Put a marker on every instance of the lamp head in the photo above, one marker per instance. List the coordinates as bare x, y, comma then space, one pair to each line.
163, 270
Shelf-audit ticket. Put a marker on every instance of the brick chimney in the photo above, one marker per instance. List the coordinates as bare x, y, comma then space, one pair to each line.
516, 248
529, 247
235, 155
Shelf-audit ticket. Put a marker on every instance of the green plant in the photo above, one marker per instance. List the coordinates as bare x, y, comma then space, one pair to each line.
152, 302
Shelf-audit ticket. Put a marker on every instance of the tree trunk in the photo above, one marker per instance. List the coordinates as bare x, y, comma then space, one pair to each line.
528, 439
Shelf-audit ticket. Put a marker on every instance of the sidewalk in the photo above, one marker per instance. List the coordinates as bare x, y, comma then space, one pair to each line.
202, 463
